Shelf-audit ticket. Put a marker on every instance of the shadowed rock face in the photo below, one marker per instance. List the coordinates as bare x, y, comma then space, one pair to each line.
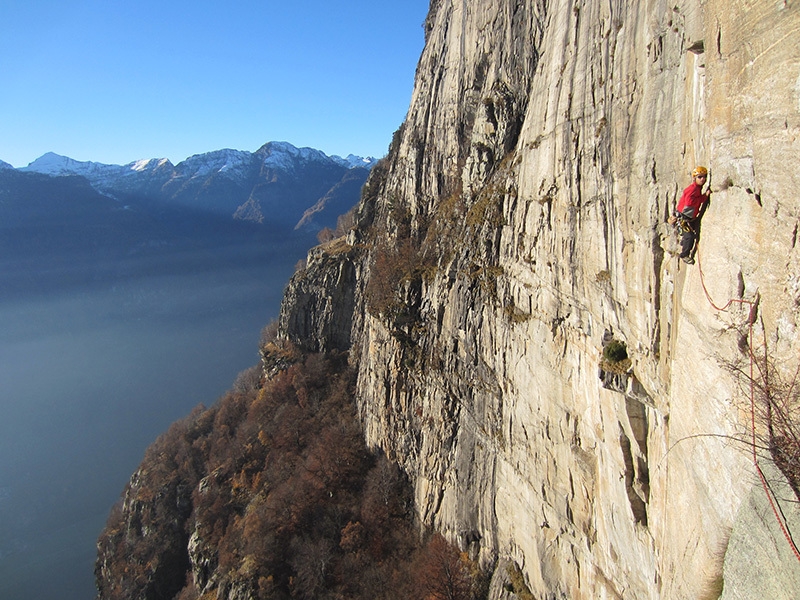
518, 225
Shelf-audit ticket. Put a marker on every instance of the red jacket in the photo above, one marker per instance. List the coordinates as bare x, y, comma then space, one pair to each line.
691, 201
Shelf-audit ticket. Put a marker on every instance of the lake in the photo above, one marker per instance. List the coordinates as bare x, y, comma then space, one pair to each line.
90, 375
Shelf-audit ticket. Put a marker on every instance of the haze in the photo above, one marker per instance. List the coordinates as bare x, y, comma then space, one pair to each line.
91, 375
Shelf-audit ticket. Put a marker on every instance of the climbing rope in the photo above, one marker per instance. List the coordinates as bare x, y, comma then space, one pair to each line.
753, 304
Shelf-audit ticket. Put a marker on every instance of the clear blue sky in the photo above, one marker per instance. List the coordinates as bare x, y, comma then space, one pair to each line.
115, 81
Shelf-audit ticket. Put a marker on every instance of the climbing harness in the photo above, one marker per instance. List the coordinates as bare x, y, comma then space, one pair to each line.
684, 225
751, 319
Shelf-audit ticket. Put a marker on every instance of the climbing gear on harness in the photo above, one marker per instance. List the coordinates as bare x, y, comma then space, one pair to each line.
681, 222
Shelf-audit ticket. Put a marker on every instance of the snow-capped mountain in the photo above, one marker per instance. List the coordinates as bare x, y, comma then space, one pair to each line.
234, 164
282, 155
356, 161
55, 164
276, 183
112, 180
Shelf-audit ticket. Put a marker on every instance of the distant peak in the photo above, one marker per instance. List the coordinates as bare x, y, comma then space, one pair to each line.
148, 164
279, 146
226, 161
5, 165
285, 148
51, 163
283, 154
353, 161
49, 158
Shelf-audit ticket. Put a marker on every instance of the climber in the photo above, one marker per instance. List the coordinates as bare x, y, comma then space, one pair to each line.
690, 210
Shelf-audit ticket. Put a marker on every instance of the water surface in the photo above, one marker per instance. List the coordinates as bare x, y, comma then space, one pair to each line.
90, 375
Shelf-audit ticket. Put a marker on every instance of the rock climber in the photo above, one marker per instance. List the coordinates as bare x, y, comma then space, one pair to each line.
690, 210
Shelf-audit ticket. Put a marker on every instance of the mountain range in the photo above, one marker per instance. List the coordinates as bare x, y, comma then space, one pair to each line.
277, 183
67, 222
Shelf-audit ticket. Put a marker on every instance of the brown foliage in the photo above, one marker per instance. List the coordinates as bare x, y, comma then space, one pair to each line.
777, 409
392, 269
772, 393
345, 222
443, 573
325, 235
279, 488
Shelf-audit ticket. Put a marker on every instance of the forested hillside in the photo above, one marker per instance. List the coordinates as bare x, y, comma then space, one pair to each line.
271, 493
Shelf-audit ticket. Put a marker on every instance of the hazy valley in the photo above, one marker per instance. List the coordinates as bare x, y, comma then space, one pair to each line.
121, 310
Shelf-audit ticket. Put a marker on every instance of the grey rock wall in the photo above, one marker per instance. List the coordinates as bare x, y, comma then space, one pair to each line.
759, 563
519, 225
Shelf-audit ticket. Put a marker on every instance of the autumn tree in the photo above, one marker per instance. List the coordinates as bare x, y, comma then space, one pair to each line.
444, 573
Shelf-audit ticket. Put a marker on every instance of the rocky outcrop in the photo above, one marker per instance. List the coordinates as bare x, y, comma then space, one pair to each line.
518, 225
318, 311
758, 553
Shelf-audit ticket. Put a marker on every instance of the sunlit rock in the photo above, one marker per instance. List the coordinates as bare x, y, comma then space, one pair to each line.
521, 218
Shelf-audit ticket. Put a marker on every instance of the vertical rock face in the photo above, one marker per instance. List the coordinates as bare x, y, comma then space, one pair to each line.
518, 227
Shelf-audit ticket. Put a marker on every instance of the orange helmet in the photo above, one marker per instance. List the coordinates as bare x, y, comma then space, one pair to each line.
699, 171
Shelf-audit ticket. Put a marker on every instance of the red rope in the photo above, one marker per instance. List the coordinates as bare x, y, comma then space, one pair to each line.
751, 319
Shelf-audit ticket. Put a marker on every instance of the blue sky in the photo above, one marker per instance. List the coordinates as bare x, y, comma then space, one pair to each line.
113, 81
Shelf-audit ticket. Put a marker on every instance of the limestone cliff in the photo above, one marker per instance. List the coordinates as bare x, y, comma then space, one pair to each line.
518, 225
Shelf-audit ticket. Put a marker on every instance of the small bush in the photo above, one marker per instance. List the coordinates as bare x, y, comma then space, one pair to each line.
615, 358
325, 235
392, 268
775, 395
615, 352
488, 209
603, 277
249, 380
518, 586
514, 314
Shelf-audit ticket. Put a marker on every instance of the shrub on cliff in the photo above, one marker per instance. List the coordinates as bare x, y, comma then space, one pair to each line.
773, 395
615, 357
615, 351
